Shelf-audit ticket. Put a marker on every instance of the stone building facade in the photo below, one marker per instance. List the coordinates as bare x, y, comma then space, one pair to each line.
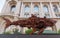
22, 9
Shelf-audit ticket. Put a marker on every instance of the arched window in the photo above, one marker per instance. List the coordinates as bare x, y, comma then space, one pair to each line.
36, 8
13, 8
27, 9
45, 8
55, 8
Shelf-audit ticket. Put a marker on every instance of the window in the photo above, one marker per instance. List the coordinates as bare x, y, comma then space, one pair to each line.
36, 8
27, 9
55, 8
13, 8
26, 14
45, 8
37, 14
58, 15
47, 15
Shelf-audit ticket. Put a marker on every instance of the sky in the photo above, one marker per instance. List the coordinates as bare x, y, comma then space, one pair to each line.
1, 4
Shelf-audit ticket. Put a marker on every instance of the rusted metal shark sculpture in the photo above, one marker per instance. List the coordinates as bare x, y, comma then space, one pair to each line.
32, 22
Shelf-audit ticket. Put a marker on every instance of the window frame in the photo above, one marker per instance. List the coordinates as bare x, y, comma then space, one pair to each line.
55, 8
26, 6
46, 14
46, 7
13, 8
35, 11
27, 14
